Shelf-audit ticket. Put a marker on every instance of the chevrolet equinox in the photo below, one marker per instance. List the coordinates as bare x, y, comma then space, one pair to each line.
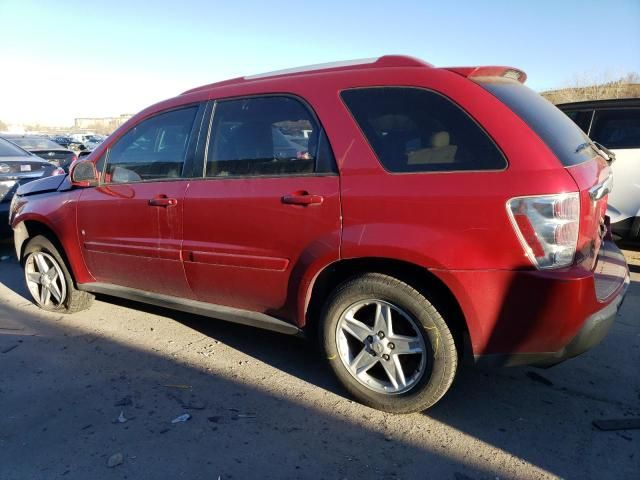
407, 216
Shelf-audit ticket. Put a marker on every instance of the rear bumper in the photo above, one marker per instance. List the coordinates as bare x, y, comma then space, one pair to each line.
539, 317
594, 330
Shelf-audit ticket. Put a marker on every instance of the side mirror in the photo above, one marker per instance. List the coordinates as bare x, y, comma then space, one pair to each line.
83, 174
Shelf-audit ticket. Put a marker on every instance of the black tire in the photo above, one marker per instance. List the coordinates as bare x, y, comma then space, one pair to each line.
441, 354
74, 300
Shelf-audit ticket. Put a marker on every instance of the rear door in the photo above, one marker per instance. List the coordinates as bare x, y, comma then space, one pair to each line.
130, 225
267, 207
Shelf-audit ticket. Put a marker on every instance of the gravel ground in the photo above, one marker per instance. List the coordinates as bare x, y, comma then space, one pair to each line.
264, 406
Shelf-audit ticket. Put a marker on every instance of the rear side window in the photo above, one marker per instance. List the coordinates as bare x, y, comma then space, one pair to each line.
557, 131
155, 149
582, 118
617, 128
417, 130
265, 136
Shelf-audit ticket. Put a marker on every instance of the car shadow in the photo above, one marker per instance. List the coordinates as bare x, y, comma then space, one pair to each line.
65, 386
297, 356
534, 414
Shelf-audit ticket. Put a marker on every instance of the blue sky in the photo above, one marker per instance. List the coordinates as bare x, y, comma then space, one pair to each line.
72, 58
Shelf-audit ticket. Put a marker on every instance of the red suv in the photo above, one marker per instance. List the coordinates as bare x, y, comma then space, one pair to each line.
412, 216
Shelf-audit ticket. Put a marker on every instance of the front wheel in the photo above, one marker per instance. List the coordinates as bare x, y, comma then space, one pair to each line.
48, 279
388, 345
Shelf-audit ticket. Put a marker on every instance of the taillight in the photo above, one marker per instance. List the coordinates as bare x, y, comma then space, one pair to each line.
547, 227
58, 171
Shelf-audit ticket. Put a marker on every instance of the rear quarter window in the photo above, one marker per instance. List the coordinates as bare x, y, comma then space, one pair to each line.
418, 130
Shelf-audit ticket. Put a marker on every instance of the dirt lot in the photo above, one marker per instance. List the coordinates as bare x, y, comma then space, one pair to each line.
265, 406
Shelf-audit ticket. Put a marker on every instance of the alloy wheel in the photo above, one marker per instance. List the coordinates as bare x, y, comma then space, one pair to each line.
45, 280
381, 346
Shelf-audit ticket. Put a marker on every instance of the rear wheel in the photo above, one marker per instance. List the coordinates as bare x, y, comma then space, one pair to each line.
388, 345
49, 281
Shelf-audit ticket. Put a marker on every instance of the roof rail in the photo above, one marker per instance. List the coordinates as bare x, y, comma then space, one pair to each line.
385, 61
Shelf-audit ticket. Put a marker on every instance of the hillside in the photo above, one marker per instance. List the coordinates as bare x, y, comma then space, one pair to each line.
626, 87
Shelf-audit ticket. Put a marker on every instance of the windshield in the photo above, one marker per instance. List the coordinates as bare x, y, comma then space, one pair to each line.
559, 132
9, 150
35, 143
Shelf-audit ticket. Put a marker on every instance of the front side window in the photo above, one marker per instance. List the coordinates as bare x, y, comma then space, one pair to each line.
155, 149
617, 128
263, 136
417, 130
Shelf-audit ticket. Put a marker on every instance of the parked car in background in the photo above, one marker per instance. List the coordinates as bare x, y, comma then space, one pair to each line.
45, 148
92, 141
68, 142
432, 215
616, 125
17, 167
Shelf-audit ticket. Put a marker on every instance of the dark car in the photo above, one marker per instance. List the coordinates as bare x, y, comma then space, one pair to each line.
17, 167
69, 143
431, 215
45, 148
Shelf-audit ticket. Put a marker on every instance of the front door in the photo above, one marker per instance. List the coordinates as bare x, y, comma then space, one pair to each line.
268, 208
130, 225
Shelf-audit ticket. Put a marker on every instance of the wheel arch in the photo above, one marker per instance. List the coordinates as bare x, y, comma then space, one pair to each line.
27, 228
428, 283
30, 228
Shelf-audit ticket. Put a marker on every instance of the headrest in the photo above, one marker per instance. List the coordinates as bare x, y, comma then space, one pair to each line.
440, 139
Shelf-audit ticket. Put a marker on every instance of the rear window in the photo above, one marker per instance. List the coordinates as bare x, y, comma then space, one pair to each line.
417, 130
555, 129
9, 150
617, 128
36, 143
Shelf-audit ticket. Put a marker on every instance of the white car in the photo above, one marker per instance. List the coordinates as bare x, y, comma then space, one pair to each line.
615, 124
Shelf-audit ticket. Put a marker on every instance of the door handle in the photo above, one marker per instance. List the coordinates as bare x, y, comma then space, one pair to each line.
162, 201
302, 198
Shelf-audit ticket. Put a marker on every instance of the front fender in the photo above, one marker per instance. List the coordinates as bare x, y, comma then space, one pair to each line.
53, 213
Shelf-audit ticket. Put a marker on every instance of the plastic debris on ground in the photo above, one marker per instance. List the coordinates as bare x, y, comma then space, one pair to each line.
115, 460
182, 418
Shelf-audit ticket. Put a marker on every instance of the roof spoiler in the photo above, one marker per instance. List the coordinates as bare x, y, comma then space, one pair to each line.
491, 71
